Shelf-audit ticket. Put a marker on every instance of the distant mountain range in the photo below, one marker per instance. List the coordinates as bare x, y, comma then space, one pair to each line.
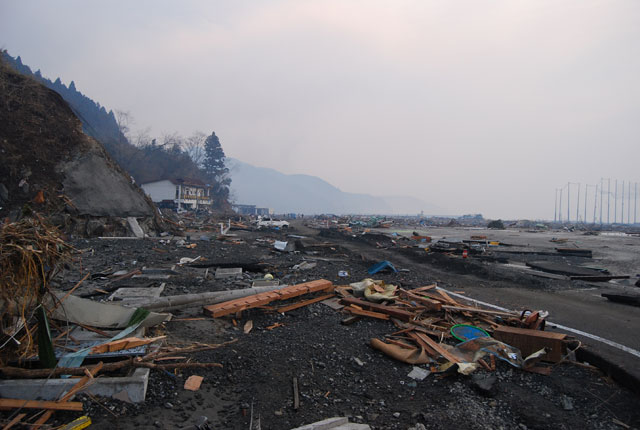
265, 187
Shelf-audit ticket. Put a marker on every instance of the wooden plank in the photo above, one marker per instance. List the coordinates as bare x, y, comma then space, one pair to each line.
364, 313
233, 306
121, 344
39, 404
425, 288
430, 304
350, 320
399, 343
296, 394
478, 311
303, 303
529, 341
383, 309
14, 421
432, 352
447, 298
439, 349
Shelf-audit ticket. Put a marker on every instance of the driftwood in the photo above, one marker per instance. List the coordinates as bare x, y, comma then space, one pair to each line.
146, 361
17, 372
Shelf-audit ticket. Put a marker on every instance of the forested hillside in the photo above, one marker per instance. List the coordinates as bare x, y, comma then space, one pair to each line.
144, 157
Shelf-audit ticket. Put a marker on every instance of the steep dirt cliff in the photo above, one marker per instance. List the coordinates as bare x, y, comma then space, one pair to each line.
48, 164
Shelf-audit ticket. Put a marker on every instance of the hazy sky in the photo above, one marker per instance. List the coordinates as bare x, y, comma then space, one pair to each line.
476, 106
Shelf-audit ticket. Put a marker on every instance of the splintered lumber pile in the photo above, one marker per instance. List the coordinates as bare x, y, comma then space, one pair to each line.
164, 354
424, 317
262, 299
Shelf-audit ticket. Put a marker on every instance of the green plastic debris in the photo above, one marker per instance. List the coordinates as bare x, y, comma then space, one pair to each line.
45, 345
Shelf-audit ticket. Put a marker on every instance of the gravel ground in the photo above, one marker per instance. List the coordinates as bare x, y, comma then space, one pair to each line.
338, 373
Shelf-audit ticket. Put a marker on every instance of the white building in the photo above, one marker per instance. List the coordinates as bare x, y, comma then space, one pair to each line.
180, 193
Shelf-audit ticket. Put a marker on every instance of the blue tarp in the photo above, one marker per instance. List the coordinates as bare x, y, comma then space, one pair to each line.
383, 265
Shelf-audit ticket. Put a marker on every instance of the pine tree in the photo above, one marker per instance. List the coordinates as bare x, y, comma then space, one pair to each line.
214, 167
214, 159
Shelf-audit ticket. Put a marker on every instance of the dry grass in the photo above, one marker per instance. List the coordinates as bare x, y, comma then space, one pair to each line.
31, 252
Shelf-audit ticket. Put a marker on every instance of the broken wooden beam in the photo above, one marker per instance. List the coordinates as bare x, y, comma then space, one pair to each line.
238, 305
39, 404
361, 312
393, 311
478, 310
303, 303
529, 341
296, 394
432, 305
438, 348
122, 344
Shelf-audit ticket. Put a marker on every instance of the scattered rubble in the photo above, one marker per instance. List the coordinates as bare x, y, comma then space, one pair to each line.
285, 356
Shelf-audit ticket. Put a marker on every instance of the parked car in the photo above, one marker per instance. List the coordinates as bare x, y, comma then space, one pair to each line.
271, 223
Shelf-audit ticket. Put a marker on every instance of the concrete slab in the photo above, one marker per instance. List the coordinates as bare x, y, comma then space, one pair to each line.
329, 423
159, 270
153, 277
265, 283
223, 273
135, 227
135, 385
131, 294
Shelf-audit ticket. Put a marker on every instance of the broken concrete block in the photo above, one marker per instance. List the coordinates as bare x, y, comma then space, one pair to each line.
135, 227
135, 386
152, 277
418, 373
223, 273
327, 424
128, 294
265, 283
158, 271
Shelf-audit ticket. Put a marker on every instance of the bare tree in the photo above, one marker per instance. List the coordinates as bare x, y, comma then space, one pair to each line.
194, 146
125, 121
142, 138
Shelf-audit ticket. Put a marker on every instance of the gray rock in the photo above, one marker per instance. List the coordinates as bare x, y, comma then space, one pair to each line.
567, 403
484, 384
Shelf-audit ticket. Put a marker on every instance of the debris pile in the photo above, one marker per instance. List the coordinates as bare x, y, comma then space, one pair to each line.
31, 252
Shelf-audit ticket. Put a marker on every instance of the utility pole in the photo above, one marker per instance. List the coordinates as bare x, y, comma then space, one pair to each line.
555, 208
560, 208
595, 204
629, 204
615, 204
578, 205
601, 180
568, 201
608, 198
586, 188
622, 211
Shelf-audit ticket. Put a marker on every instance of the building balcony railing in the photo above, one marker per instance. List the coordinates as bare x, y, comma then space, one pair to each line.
199, 198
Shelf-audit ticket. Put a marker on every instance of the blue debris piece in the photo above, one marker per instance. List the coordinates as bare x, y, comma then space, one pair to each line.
383, 265
464, 332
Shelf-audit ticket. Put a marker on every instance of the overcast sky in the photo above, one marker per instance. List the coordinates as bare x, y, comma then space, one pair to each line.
475, 106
